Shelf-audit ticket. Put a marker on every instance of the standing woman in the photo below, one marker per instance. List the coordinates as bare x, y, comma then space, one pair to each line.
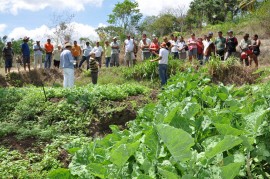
192, 47
182, 48
256, 49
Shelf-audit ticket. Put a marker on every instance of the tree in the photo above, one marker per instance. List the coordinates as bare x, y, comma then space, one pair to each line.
179, 13
108, 32
211, 11
3, 41
164, 24
146, 25
125, 15
63, 29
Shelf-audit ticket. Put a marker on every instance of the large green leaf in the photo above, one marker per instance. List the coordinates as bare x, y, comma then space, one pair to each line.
226, 129
152, 142
168, 174
97, 170
121, 154
230, 171
190, 110
60, 173
177, 141
226, 143
144, 177
172, 114
254, 120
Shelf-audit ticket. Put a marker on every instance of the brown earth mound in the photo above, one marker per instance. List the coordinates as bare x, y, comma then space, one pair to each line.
22, 145
34, 77
116, 113
236, 75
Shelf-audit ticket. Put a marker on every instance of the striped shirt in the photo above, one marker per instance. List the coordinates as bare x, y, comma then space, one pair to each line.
93, 65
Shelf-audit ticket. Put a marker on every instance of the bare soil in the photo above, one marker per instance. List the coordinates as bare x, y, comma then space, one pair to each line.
236, 75
124, 112
37, 77
22, 145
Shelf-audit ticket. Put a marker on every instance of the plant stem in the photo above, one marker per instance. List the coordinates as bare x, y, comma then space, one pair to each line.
248, 166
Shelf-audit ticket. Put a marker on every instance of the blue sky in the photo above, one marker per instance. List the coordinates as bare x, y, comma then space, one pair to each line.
33, 18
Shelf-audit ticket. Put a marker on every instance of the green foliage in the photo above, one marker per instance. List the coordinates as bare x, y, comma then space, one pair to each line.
149, 70
25, 112
196, 130
125, 15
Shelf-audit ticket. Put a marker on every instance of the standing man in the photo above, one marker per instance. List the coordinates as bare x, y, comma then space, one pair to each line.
25, 53
86, 55
220, 43
98, 50
115, 52
49, 50
37, 55
231, 44
56, 56
108, 53
66, 62
145, 45
8, 54
76, 52
129, 48
174, 49
163, 63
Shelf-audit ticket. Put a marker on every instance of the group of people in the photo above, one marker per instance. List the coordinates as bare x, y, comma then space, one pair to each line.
203, 48
73, 56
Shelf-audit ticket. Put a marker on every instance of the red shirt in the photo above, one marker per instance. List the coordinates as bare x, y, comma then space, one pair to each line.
154, 46
199, 47
48, 48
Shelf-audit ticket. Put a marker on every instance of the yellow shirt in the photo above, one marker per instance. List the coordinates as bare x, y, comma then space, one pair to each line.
76, 50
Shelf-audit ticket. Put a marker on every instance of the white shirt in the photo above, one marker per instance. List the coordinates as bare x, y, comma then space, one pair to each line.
181, 45
87, 50
129, 45
114, 50
206, 45
56, 54
164, 53
148, 42
174, 46
37, 52
97, 50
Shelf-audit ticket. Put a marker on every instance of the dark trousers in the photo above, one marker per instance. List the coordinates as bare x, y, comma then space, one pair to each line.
94, 76
221, 53
84, 58
98, 59
56, 63
175, 55
162, 69
48, 60
108, 59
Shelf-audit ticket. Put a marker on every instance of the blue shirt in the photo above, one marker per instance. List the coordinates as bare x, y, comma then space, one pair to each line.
66, 59
25, 49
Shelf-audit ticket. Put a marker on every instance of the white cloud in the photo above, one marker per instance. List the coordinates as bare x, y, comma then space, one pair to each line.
2, 28
102, 25
43, 32
155, 7
13, 6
